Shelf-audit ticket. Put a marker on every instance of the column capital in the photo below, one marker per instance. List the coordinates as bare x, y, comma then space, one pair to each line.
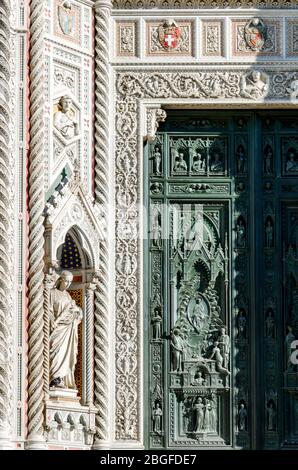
98, 4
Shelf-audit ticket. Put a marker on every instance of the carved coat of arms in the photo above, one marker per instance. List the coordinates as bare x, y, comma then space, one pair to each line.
66, 18
255, 33
169, 35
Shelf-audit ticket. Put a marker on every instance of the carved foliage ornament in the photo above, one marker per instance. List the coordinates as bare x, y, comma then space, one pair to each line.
219, 85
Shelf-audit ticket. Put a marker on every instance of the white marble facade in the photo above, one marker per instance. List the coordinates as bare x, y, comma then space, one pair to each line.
77, 168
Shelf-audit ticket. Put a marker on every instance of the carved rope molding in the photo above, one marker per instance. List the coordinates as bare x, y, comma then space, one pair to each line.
5, 231
89, 342
132, 88
101, 324
205, 4
36, 227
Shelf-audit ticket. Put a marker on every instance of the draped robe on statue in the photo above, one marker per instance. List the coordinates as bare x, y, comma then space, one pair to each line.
65, 318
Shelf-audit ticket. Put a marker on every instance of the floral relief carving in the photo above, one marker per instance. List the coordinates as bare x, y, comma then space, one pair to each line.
126, 38
212, 38
292, 36
64, 77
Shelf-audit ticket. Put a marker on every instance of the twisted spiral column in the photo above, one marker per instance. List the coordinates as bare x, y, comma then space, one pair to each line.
89, 342
48, 284
36, 229
5, 229
102, 152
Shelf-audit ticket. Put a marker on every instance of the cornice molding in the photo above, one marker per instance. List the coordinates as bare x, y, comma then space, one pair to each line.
205, 4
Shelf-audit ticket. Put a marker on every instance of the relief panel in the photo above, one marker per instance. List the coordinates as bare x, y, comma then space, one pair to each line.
126, 38
170, 37
212, 38
256, 37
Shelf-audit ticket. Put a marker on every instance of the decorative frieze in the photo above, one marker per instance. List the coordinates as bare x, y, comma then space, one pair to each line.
204, 4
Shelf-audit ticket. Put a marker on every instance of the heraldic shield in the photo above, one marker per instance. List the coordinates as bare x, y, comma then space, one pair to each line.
66, 18
255, 34
169, 35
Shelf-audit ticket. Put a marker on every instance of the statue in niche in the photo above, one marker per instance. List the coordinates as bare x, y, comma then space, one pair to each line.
157, 161
65, 316
156, 234
156, 323
199, 379
224, 346
241, 234
199, 409
213, 414
199, 315
216, 353
242, 417
216, 162
255, 85
157, 414
180, 164
63, 120
199, 163
186, 415
269, 234
271, 416
177, 348
270, 324
241, 159
242, 324
291, 165
288, 341
208, 415
268, 157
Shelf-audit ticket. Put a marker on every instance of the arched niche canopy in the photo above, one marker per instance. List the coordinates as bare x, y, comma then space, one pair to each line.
72, 210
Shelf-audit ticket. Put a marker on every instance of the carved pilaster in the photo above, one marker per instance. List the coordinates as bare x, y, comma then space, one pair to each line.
36, 229
89, 343
5, 233
155, 115
102, 152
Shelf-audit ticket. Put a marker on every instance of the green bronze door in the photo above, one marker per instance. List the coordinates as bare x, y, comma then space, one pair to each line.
221, 281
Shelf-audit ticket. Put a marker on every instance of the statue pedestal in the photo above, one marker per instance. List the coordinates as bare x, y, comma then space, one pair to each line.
64, 394
69, 424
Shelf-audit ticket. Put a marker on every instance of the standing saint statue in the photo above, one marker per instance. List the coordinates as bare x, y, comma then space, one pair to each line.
224, 346
156, 321
177, 346
65, 316
157, 414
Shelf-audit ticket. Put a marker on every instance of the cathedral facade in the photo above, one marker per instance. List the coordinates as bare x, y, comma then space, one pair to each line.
149, 224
